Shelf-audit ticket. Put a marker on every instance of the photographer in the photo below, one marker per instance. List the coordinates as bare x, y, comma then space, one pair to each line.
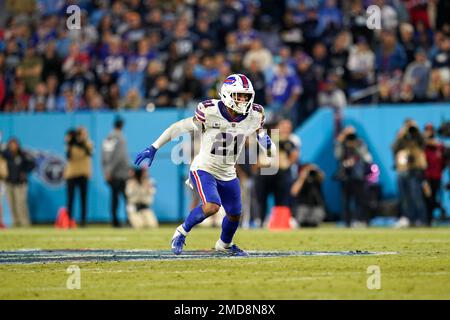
436, 161
20, 163
410, 164
3, 176
78, 170
353, 157
307, 192
140, 191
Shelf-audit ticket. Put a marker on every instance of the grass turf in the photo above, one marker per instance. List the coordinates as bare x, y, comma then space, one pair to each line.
420, 270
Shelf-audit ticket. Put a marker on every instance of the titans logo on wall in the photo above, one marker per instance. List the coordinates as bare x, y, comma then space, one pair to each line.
49, 168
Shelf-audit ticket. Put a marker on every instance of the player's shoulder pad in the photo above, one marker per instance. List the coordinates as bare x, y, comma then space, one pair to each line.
258, 108
260, 111
203, 108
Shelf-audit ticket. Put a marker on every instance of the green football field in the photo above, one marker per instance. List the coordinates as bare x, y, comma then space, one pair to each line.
420, 270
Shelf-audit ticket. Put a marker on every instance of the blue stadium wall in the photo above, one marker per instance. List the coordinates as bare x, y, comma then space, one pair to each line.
44, 135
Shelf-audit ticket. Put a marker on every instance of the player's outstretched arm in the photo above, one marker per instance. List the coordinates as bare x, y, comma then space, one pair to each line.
175, 130
266, 143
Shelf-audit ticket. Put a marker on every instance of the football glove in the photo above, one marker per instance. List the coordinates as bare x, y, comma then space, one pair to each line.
148, 153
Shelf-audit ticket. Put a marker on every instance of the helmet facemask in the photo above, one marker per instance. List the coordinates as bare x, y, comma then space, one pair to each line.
242, 101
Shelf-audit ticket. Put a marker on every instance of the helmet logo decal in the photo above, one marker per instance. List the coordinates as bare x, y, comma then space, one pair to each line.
230, 80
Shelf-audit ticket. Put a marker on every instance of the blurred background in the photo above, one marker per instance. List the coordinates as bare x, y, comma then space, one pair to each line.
362, 112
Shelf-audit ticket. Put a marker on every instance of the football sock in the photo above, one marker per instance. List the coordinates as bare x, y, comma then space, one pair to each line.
228, 230
195, 217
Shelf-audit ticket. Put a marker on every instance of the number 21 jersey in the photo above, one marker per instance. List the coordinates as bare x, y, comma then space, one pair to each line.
223, 137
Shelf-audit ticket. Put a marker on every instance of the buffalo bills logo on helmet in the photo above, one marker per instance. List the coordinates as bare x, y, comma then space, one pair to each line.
230, 80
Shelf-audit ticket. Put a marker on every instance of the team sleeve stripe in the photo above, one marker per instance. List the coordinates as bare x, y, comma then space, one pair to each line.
200, 112
199, 117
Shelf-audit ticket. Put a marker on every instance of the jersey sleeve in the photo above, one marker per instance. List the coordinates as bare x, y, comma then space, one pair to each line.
260, 110
200, 113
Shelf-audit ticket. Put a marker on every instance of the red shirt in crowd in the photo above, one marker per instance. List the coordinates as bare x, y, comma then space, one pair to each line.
435, 160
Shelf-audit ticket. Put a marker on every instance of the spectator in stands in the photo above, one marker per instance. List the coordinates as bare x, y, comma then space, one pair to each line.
20, 164
407, 40
115, 166
140, 192
330, 20
52, 85
442, 18
153, 71
283, 93
410, 164
51, 63
308, 99
436, 162
435, 86
134, 30
132, 101
190, 88
391, 55
423, 36
18, 100
245, 33
207, 72
321, 61
258, 79
78, 170
291, 33
389, 16
38, 99
113, 58
339, 52
68, 101
353, 157
309, 206
333, 97
361, 66
30, 69
357, 20
162, 95
258, 53
441, 59
131, 78
3, 176
75, 64
417, 76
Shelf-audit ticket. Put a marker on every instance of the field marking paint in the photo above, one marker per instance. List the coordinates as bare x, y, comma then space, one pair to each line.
99, 255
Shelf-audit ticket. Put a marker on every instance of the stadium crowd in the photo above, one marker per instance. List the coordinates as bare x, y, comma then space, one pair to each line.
299, 54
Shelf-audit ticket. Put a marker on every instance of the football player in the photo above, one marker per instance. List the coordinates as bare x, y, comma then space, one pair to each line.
224, 126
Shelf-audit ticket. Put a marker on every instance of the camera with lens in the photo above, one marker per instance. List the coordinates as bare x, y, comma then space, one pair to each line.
71, 137
313, 176
413, 134
351, 137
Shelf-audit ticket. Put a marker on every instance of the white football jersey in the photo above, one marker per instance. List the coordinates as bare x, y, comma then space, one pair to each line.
223, 137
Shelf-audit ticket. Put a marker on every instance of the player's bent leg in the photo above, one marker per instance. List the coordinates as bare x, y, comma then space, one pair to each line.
196, 216
225, 243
